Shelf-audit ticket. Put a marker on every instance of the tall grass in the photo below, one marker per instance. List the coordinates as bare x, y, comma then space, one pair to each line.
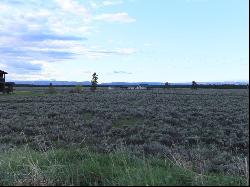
83, 167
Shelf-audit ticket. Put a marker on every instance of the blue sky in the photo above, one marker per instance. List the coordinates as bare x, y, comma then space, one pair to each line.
125, 40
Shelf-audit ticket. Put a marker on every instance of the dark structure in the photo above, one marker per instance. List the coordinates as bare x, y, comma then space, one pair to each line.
5, 87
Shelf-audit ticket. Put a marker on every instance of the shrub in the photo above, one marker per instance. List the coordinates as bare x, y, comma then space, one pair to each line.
77, 89
51, 89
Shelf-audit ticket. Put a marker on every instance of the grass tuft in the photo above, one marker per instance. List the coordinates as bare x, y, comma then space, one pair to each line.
83, 167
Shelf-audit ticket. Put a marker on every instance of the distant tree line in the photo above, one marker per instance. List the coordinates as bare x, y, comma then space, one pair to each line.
209, 86
167, 85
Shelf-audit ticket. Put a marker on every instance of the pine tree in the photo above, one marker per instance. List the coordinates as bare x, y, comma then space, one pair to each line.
194, 85
166, 85
94, 82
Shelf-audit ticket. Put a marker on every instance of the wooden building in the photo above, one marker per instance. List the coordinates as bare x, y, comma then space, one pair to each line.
2, 75
5, 87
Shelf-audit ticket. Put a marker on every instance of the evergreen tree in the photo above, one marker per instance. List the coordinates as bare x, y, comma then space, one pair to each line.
167, 85
94, 82
194, 85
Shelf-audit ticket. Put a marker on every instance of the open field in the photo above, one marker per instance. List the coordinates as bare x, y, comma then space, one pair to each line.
205, 131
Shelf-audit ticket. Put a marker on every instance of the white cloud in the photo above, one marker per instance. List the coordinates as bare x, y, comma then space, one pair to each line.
126, 51
111, 2
2, 65
3, 7
35, 35
122, 17
97, 53
73, 7
122, 72
104, 3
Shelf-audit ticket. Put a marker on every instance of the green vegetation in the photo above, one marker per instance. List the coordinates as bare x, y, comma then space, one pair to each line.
88, 115
30, 93
128, 121
51, 89
77, 89
23, 93
83, 167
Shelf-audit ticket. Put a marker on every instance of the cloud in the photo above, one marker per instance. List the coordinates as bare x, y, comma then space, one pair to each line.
14, 2
20, 54
27, 34
38, 46
122, 17
105, 3
121, 51
3, 7
44, 37
112, 2
126, 51
74, 7
25, 66
122, 72
33, 31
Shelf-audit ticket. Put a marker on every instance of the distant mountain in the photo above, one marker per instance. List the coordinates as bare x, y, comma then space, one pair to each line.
87, 83
56, 83
225, 82
132, 83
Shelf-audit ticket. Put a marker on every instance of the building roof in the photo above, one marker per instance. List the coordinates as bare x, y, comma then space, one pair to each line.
3, 72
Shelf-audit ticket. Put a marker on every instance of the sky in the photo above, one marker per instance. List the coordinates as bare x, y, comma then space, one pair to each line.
125, 40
